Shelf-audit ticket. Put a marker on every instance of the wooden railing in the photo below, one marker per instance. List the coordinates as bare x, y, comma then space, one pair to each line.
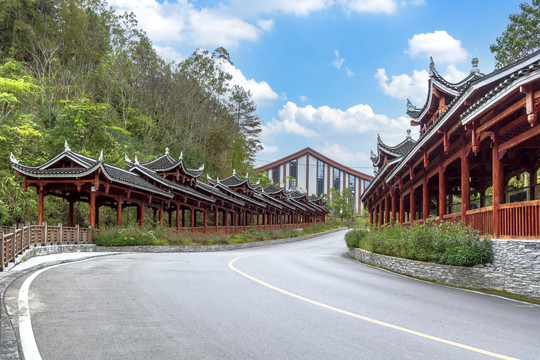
15, 240
481, 219
452, 217
521, 219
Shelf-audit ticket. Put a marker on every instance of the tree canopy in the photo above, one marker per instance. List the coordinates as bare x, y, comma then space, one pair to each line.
521, 37
75, 70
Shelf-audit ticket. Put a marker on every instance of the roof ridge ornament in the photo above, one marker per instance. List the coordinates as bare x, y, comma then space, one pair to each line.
181, 155
217, 179
100, 159
136, 160
12, 158
234, 171
475, 69
66, 146
432, 70
247, 174
166, 151
202, 167
408, 133
126, 159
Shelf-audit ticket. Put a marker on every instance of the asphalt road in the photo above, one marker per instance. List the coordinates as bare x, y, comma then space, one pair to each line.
303, 300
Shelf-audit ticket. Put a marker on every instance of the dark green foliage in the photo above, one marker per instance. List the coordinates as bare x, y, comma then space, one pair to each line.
125, 236
440, 242
75, 70
353, 237
522, 36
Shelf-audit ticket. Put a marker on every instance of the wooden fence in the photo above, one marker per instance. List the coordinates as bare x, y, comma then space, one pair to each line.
231, 229
520, 219
16, 239
481, 219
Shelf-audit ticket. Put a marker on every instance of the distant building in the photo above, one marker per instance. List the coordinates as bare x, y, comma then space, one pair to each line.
309, 171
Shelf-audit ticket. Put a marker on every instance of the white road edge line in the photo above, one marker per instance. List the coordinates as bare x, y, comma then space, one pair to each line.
28, 341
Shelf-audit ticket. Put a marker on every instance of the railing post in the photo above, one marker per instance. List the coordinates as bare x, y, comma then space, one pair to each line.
44, 234
60, 235
13, 230
2, 250
28, 233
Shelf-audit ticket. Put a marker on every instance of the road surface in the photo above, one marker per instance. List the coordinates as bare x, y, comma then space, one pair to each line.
303, 300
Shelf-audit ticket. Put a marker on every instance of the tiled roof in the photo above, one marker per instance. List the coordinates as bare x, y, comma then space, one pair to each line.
272, 189
212, 190
167, 163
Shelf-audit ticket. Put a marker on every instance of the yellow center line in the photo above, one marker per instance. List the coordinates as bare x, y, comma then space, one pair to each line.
365, 318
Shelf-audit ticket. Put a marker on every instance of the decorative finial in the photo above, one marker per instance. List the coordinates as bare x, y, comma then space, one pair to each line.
247, 175
66, 146
234, 172
181, 155
12, 158
432, 69
408, 133
379, 138
208, 177
217, 179
126, 159
136, 160
410, 106
202, 167
475, 69
166, 151
100, 159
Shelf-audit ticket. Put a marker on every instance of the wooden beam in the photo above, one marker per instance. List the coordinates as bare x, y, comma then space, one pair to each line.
508, 111
504, 147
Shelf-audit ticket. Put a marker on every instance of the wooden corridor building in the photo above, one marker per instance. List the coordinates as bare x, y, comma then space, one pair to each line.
475, 136
167, 185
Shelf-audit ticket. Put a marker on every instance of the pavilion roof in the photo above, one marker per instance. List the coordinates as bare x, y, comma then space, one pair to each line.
87, 166
398, 150
234, 181
272, 189
167, 163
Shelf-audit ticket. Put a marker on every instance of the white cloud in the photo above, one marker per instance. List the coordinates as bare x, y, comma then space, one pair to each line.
297, 7
349, 72
167, 53
405, 86
370, 6
342, 153
338, 61
266, 24
303, 98
260, 90
453, 74
209, 28
439, 44
309, 121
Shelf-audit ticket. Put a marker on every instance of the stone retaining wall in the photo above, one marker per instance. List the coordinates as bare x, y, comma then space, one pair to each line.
52, 249
515, 268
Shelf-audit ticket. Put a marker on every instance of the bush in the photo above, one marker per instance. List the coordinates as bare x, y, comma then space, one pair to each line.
126, 236
353, 237
435, 241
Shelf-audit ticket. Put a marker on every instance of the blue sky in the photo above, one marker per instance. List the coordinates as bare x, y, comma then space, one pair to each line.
330, 74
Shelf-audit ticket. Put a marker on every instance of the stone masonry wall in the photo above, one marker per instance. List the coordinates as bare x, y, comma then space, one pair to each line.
515, 268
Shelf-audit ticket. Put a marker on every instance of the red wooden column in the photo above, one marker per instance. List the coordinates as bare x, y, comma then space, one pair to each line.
498, 184
192, 219
178, 216
401, 208
226, 220
533, 181
464, 185
412, 210
40, 207
244, 218
386, 210
425, 198
92, 207
141, 216
393, 197
217, 218
70, 213
161, 215
119, 211
205, 219
442, 192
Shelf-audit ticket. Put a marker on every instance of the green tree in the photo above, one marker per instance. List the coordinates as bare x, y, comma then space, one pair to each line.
242, 109
521, 37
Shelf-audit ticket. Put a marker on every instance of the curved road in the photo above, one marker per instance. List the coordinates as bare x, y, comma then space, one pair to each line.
303, 300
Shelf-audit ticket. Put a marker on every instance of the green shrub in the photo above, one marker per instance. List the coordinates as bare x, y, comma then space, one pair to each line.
126, 236
435, 241
353, 237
